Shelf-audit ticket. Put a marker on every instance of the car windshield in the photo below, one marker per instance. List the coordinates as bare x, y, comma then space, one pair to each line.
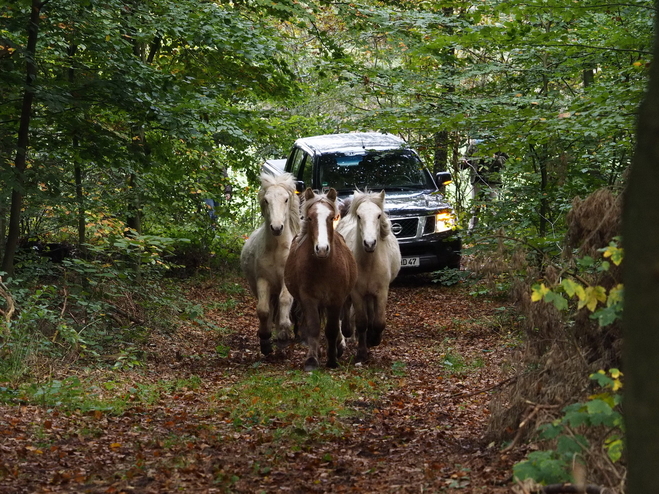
394, 170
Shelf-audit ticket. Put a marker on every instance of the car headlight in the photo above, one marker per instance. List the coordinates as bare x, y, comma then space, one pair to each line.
444, 221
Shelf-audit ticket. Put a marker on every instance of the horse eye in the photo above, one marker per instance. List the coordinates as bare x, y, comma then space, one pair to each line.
286, 201
359, 217
379, 216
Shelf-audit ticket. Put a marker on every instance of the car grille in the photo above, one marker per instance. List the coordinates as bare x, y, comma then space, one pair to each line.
410, 227
405, 227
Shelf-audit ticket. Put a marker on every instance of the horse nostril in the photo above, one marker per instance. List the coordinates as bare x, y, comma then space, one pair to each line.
369, 246
276, 230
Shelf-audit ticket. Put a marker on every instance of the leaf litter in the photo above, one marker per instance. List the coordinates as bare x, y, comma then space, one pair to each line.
178, 428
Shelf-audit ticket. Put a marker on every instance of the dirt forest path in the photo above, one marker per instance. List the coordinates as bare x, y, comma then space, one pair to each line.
424, 433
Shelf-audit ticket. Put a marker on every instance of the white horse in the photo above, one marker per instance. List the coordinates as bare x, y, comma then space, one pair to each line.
367, 231
265, 253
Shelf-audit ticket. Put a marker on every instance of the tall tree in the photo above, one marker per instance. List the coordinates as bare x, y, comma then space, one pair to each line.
22, 144
641, 277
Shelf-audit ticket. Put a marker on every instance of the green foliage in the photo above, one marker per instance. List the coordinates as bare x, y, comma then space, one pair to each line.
589, 297
601, 413
87, 306
449, 277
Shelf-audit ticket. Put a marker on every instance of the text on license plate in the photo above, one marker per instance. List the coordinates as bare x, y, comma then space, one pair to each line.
409, 262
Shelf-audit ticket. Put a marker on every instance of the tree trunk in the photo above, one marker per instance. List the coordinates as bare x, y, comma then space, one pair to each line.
82, 229
588, 77
441, 151
23, 139
134, 219
641, 279
77, 168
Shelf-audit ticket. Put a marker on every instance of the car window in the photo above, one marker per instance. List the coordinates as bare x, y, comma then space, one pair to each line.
307, 169
297, 160
389, 170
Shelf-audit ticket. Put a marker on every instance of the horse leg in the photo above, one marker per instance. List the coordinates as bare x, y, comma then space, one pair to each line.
311, 334
284, 324
347, 328
263, 312
335, 342
377, 320
361, 323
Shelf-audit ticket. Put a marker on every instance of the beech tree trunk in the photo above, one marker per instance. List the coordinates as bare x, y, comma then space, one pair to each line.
441, 151
23, 139
641, 278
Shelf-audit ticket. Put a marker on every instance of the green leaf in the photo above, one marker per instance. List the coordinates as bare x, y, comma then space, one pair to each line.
607, 315
538, 292
614, 448
570, 286
557, 299
570, 446
543, 467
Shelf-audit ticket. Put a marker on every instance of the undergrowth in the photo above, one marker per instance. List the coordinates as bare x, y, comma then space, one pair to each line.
568, 294
298, 404
98, 308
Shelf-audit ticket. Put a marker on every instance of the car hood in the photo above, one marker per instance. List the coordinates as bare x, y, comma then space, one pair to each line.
413, 203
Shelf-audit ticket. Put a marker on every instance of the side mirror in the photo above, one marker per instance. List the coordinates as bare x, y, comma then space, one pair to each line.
300, 187
444, 178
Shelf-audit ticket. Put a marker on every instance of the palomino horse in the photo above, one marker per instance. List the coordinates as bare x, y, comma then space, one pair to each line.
264, 256
367, 232
320, 273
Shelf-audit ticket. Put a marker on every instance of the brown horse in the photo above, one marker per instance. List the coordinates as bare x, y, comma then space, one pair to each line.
320, 272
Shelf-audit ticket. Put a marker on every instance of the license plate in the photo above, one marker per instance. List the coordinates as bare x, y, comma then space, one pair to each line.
408, 262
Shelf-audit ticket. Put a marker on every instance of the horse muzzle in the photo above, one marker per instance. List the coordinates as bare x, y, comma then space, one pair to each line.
321, 252
370, 246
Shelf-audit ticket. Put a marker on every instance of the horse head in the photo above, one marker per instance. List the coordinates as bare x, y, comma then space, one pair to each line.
319, 213
279, 203
368, 211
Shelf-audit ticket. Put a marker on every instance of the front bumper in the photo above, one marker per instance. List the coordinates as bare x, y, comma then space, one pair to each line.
434, 252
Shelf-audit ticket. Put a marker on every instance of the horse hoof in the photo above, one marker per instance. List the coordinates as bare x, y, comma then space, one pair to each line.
332, 365
282, 344
361, 358
311, 364
373, 339
266, 347
340, 349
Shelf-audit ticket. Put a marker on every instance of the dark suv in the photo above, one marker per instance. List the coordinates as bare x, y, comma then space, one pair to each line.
423, 222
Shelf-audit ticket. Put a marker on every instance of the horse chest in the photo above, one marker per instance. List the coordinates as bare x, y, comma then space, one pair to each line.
325, 280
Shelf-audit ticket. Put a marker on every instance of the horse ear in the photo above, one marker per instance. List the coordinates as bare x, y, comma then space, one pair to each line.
308, 194
331, 194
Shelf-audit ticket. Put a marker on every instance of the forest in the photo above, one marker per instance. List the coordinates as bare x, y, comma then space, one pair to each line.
132, 135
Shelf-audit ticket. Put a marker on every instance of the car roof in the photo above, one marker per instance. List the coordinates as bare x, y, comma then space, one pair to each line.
351, 143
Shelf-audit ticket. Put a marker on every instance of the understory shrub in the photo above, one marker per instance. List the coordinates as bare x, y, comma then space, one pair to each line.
587, 433
103, 303
570, 298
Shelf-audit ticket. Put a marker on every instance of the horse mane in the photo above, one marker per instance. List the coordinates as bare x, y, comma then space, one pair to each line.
287, 181
359, 198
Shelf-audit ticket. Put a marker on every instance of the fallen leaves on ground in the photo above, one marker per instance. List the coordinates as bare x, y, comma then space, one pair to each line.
424, 434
